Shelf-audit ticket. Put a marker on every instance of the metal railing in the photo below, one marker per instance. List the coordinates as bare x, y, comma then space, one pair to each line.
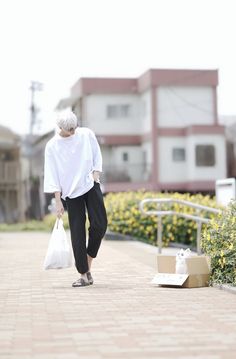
160, 213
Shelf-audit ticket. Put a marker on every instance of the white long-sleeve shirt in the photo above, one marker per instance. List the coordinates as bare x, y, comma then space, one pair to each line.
70, 162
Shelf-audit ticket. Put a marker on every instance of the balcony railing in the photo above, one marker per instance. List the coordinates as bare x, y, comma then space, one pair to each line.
9, 172
126, 173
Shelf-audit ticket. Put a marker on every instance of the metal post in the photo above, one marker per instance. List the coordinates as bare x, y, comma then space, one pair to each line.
199, 228
159, 234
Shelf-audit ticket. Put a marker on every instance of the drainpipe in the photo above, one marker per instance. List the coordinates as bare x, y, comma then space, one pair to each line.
155, 183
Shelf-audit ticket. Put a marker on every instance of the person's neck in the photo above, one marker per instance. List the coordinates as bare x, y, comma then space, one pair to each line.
64, 134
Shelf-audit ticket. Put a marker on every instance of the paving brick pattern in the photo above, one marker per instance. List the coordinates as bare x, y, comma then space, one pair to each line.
122, 316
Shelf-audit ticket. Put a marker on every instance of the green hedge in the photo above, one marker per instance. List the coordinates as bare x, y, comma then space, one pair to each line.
125, 217
219, 242
33, 225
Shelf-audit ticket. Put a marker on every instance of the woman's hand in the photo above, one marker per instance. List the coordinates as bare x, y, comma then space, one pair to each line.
59, 205
59, 208
96, 175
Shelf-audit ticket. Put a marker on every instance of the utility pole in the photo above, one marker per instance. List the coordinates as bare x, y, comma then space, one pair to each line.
35, 86
34, 179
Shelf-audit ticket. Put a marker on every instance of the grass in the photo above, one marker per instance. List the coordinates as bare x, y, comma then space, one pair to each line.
26, 226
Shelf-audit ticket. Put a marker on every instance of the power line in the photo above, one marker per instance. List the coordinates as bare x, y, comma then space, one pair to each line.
189, 103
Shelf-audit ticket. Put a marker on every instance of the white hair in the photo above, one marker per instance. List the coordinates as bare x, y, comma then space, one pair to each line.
67, 120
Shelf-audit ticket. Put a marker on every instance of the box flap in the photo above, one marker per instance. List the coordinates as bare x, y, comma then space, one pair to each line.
197, 280
197, 265
169, 279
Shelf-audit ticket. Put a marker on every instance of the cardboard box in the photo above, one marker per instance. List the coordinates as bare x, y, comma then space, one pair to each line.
198, 268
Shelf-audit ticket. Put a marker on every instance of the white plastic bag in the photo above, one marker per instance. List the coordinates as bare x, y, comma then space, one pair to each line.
59, 254
181, 267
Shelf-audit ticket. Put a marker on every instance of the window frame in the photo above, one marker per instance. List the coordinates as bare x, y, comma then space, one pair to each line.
201, 160
117, 111
175, 157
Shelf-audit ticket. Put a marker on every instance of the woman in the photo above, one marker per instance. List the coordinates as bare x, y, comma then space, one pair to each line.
73, 163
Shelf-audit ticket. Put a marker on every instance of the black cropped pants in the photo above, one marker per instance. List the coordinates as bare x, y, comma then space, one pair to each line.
93, 202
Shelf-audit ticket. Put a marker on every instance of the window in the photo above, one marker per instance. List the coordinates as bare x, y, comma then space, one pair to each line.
125, 157
124, 110
118, 111
178, 154
205, 155
111, 111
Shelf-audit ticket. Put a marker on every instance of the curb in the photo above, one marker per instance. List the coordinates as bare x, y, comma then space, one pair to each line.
124, 237
226, 288
118, 237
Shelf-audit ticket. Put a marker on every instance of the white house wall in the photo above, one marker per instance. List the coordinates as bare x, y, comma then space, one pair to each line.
96, 114
106, 155
170, 171
211, 173
147, 150
134, 164
181, 106
147, 147
113, 161
174, 172
145, 111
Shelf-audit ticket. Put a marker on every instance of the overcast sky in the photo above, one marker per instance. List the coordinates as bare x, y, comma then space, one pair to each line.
58, 41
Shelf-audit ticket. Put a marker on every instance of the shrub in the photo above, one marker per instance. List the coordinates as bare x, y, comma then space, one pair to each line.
219, 242
49, 220
125, 217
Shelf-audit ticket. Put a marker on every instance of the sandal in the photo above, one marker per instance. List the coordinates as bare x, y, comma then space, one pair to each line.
80, 283
90, 278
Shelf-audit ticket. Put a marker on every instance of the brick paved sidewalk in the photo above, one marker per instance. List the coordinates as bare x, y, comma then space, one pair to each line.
120, 317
